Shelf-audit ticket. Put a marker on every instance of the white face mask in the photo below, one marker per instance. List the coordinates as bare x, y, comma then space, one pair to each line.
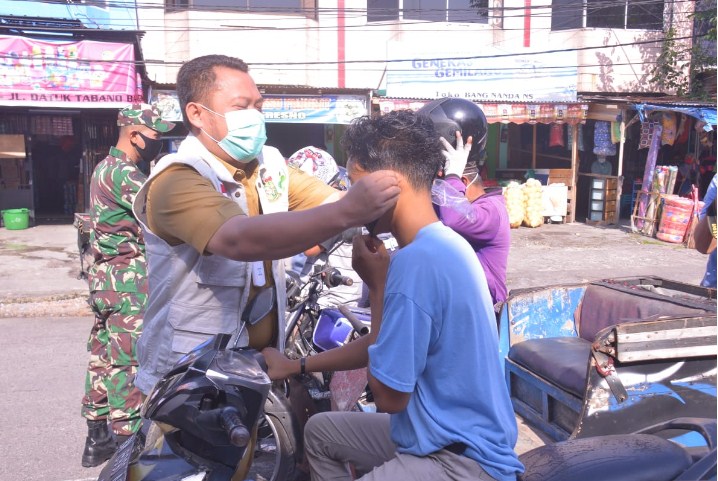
472, 181
246, 134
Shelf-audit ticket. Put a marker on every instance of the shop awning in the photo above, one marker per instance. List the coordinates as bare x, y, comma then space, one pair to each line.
704, 114
509, 112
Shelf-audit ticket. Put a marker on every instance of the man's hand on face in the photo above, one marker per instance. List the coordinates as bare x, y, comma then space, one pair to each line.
371, 196
370, 260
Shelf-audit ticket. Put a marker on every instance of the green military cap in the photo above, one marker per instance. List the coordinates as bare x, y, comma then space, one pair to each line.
143, 114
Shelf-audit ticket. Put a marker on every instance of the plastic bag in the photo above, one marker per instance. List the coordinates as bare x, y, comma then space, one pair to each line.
533, 203
444, 195
514, 195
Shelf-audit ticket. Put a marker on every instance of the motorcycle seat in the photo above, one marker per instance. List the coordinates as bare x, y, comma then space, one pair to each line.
560, 360
622, 457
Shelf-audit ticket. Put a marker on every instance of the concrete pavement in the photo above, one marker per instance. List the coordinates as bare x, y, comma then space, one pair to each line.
39, 262
42, 263
39, 269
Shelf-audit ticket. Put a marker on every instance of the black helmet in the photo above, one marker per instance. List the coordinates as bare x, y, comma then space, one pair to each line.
452, 114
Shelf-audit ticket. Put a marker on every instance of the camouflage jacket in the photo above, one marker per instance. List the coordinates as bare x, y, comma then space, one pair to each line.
116, 240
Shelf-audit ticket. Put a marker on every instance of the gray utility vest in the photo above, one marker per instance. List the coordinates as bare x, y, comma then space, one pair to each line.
194, 296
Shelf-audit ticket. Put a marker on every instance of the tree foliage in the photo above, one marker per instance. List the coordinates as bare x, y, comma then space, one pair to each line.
684, 76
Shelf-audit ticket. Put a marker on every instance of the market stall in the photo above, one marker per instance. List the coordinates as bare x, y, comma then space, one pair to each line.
525, 141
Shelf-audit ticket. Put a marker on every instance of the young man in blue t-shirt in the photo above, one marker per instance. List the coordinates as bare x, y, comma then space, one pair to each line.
432, 353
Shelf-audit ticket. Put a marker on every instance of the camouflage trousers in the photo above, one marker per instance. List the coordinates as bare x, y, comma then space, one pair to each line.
110, 392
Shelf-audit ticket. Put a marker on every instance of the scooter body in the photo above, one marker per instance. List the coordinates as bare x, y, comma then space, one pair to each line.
198, 418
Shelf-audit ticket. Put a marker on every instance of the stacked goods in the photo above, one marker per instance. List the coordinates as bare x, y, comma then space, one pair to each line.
676, 216
513, 193
533, 203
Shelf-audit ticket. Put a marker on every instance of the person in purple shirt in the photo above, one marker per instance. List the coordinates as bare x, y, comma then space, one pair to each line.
478, 216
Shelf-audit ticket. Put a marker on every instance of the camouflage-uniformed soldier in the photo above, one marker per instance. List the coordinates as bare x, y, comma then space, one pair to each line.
118, 283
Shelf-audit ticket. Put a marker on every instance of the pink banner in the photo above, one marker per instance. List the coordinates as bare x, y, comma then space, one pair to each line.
67, 74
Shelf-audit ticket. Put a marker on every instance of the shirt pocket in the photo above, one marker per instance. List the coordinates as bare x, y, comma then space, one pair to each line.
193, 325
216, 270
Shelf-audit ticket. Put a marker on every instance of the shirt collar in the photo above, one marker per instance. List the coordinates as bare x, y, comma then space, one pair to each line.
115, 152
237, 174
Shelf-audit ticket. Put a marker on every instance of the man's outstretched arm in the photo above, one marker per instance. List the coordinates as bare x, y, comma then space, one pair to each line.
280, 235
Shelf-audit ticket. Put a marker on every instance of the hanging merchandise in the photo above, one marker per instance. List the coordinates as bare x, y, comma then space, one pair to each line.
556, 136
533, 203
646, 201
602, 144
615, 132
580, 138
668, 122
647, 129
514, 195
684, 129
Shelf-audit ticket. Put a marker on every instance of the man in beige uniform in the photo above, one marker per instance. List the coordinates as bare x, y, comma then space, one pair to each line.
208, 247
180, 202
215, 214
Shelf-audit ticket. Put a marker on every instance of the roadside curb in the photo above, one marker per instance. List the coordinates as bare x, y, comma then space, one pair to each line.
59, 305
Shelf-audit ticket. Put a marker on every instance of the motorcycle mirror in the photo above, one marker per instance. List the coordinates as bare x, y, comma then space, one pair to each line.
260, 305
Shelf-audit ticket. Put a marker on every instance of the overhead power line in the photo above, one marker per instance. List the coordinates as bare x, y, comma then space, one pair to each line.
305, 64
349, 13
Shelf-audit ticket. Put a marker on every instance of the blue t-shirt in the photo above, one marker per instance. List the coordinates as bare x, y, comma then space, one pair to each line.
438, 341
709, 279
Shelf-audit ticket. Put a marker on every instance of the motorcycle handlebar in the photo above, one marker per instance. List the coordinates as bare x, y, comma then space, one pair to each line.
357, 325
335, 278
236, 430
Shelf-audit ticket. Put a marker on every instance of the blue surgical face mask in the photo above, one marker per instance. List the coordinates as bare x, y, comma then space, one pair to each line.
246, 134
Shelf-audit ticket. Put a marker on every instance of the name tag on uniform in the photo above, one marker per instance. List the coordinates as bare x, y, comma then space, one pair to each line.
258, 276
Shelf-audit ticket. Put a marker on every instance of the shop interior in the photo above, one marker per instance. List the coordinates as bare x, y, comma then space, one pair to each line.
525, 150
46, 160
56, 152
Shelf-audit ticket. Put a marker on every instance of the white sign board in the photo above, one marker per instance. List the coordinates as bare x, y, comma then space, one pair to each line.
484, 75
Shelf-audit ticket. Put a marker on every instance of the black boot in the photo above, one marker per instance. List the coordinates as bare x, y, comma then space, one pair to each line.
100, 445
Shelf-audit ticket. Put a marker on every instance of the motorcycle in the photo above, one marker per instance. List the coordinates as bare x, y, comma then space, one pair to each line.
312, 329
198, 419
204, 410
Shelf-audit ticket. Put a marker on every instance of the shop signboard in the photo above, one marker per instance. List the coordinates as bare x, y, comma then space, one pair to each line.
85, 74
483, 75
290, 109
517, 113
325, 109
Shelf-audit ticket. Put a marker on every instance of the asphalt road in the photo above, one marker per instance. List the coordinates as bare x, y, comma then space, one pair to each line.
43, 362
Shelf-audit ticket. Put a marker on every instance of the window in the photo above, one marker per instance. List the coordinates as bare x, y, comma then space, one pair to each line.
382, 10
293, 7
636, 14
466, 11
